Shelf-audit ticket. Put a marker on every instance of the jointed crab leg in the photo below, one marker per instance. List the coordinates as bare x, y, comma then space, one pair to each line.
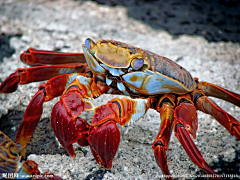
39, 73
208, 106
192, 151
185, 123
53, 88
34, 57
212, 90
160, 145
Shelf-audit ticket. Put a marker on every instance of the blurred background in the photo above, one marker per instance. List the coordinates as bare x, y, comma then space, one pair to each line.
215, 20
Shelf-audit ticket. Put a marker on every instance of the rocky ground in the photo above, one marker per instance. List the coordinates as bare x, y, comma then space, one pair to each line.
64, 25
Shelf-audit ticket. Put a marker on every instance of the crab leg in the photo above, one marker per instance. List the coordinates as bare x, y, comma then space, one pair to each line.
208, 106
53, 88
160, 145
192, 151
185, 123
218, 92
40, 73
34, 57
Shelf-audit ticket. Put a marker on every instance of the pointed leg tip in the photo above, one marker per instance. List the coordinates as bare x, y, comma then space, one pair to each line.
191, 149
10, 84
161, 158
73, 155
70, 150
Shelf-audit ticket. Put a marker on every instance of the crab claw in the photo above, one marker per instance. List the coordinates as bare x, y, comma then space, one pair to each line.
67, 129
65, 122
104, 141
104, 135
10, 84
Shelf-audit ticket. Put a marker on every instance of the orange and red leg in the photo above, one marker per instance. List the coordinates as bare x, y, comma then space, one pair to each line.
48, 64
206, 105
182, 118
209, 89
186, 123
34, 57
165, 107
39, 73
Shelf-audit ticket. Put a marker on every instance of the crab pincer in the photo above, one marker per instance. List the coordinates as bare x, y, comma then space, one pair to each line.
46, 92
66, 124
104, 135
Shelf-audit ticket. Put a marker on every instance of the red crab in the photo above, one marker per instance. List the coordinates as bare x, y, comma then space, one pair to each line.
112, 67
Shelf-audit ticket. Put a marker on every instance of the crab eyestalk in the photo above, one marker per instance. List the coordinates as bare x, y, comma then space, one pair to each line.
89, 49
137, 63
90, 45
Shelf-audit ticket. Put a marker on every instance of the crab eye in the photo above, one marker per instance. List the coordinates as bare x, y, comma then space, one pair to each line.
88, 42
137, 64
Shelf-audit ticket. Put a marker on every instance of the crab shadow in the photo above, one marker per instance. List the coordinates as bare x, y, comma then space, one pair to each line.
97, 175
225, 168
43, 140
215, 20
5, 49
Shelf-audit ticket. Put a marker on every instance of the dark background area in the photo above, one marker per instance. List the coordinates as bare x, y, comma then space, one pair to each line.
215, 20
5, 49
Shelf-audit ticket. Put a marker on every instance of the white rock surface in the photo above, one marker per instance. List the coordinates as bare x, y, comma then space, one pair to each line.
57, 24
